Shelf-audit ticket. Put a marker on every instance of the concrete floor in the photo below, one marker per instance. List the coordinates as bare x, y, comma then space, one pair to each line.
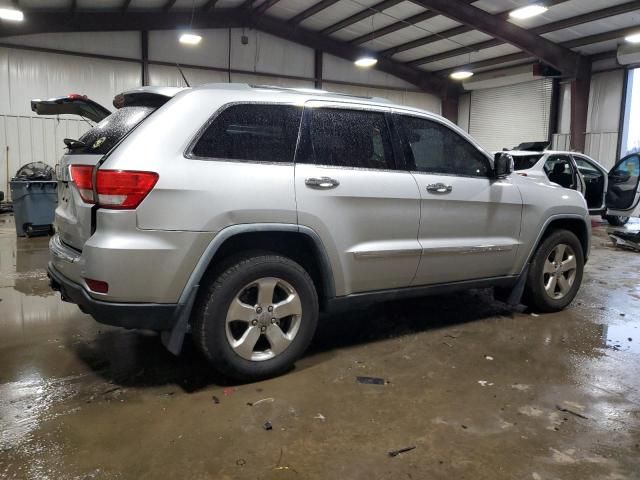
475, 387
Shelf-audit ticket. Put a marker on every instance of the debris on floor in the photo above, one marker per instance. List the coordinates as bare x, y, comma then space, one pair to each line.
485, 383
262, 400
228, 391
267, 425
320, 417
488, 357
395, 453
215, 399
572, 412
371, 380
626, 240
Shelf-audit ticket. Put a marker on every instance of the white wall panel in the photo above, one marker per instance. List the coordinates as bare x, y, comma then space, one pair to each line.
464, 109
43, 75
33, 139
213, 51
605, 101
423, 101
564, 109
116, 44
269, 54
603, 117
506, 116
335, 68
276, 81
160, 75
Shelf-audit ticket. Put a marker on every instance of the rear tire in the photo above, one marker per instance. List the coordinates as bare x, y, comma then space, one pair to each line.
257, 317
555, 273
616, 220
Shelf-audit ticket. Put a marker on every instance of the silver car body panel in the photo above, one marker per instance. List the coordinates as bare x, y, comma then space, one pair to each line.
378, 230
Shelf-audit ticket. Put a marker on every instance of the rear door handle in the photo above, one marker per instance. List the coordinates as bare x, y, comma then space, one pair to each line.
322, 182
439, 188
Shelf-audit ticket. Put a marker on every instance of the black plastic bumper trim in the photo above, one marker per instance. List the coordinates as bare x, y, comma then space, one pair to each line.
147, 316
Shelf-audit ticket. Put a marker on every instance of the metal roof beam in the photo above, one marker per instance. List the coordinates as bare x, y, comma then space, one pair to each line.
114, 20
366, 13
309, 12
561, 58
279, 28
542, 29
264, 6
578, 42
452, 32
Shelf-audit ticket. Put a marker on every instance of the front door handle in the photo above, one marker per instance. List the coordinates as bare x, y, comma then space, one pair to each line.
439, 188
322, 182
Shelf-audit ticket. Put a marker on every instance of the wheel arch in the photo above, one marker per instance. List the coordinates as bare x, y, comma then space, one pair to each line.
299, 243
573, 223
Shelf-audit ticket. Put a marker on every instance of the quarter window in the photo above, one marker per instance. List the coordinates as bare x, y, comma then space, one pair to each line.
432, 147
347, 138
263, 133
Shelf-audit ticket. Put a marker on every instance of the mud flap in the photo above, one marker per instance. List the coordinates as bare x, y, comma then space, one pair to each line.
173, 339
513, 296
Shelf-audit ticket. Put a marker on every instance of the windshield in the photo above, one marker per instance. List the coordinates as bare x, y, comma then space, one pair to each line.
525, 162
106, 134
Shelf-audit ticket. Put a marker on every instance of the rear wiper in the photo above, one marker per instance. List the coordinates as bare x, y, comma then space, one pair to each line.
73, 144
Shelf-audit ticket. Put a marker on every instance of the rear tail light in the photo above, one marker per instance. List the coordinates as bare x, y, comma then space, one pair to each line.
82, 176
123, 189
115, 189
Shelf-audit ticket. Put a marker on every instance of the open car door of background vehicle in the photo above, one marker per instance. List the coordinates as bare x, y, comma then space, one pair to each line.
623, 195
73, 104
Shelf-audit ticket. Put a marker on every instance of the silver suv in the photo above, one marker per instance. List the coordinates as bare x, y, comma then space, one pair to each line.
240, 212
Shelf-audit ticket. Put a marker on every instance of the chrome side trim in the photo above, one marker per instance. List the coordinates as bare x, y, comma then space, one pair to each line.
387, 253
61, 251
468, 249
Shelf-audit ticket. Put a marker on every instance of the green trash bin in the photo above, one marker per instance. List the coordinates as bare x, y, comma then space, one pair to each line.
35, 197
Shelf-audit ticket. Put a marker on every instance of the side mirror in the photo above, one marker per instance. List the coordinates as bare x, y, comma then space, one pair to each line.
503, 165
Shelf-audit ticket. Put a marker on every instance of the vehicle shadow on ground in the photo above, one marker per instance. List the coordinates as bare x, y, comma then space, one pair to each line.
137, 359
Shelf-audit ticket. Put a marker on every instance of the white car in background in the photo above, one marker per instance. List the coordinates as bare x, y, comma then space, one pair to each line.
614, 194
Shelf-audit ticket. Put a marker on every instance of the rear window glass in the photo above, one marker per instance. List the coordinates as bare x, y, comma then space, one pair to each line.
106, 134
262, 133
525, 162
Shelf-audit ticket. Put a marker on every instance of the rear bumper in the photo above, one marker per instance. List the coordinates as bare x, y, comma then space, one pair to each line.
148, 316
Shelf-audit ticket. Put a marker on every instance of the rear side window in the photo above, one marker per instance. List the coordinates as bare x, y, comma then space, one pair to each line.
434, 148
262, 133
106, 134
525, 162
347, 138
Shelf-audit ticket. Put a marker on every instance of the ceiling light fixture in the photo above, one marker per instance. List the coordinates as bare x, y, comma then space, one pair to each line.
634, 38
190, 39
461, 74
528, 11
11, 14
366, 61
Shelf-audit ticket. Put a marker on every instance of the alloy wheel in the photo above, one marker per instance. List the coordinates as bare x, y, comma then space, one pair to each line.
559, 272
263, 319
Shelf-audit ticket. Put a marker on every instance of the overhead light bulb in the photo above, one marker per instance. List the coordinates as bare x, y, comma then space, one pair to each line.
11, 14
635, 38
190, 39
461, 74
528, 11
366, 62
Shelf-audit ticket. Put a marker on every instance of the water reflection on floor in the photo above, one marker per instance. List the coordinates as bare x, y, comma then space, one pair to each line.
481, 390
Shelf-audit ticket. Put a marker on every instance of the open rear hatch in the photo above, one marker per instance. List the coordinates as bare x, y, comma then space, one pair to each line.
74, 215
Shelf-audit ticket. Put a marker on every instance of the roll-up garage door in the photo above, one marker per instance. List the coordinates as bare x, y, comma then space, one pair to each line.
504, 117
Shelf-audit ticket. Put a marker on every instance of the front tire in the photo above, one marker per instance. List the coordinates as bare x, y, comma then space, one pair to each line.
555, 273
256, 318
616, 220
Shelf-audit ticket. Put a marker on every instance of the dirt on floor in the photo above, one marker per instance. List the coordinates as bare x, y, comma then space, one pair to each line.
471, 388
